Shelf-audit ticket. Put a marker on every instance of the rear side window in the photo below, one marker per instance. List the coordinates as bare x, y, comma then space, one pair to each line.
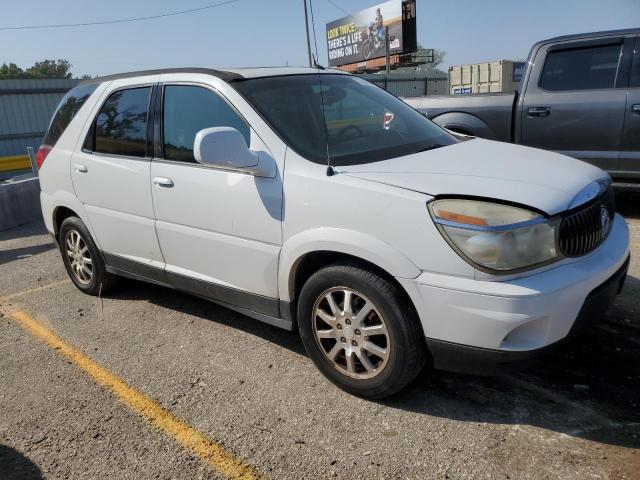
67, 109
189, 109
121, 126
587, 68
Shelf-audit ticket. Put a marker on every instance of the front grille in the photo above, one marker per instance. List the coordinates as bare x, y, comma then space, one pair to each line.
583, 231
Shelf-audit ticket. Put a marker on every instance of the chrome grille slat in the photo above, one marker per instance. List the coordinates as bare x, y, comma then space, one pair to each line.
582, 232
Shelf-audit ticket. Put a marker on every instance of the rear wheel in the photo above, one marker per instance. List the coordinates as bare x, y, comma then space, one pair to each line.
82, 258
360, 331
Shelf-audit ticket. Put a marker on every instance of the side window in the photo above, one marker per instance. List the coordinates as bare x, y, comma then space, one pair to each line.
586, 68
121, 126
67, 109
189, 109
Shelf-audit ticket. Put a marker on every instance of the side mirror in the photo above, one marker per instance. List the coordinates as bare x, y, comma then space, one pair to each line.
224, 147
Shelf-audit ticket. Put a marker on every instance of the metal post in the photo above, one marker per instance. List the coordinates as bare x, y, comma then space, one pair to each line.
386, 49
306, 26
32, 159
387, 68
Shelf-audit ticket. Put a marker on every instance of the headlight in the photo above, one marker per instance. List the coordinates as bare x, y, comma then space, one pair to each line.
495, 237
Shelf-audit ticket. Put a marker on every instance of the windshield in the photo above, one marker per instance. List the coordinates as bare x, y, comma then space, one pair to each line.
345, 117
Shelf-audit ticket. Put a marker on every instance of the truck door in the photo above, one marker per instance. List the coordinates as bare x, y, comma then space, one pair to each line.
629, 167
574, 100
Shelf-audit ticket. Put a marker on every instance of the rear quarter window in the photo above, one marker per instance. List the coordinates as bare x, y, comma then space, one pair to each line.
67, 109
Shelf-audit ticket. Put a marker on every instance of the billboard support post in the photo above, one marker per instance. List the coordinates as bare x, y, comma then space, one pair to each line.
306, 27
387, 52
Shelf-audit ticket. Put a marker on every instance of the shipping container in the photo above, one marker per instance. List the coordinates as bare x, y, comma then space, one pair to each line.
487, 77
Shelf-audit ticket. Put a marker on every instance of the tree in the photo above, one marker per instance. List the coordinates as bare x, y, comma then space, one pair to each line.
50, 69
44, 69
438, 58
10, 71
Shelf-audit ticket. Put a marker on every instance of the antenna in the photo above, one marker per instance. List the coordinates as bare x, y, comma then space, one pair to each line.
330, 171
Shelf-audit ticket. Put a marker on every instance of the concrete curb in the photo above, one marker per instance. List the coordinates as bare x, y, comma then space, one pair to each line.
19, 203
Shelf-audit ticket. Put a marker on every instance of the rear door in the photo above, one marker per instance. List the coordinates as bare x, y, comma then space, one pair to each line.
629, 167
575, 100
111, 176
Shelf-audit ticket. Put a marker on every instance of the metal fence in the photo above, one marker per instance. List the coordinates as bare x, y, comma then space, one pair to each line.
411, 84
26, 106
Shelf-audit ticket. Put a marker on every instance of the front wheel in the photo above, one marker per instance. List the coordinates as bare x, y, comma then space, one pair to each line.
360, 331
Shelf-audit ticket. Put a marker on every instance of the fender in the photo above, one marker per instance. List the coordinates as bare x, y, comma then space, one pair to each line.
60, 198
465, 123
340, 240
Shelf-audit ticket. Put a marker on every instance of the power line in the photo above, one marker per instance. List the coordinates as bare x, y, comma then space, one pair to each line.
123, 20
339, 8
349, 14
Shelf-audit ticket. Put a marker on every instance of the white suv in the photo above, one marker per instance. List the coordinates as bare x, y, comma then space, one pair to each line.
314, 199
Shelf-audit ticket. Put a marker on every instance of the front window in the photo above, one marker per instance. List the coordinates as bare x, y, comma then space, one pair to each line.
343, 117
586, 68
189, 109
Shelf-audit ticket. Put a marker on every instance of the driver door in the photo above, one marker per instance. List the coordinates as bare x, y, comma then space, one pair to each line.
219, 230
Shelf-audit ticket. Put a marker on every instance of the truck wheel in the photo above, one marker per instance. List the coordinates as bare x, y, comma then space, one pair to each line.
82, 258
360, 331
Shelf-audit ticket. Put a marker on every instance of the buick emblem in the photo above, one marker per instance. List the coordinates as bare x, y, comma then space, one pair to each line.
604, 218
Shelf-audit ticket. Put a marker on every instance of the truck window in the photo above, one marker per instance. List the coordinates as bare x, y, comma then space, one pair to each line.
187, 110
121, 126
634, 81
586, 68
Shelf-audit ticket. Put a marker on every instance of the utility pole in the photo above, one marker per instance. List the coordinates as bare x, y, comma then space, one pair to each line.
306, 25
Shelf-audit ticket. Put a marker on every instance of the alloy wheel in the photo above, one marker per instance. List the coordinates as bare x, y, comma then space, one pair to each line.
351, 332
79, 257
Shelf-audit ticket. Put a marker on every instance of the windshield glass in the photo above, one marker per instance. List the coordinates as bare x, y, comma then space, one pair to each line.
351, 120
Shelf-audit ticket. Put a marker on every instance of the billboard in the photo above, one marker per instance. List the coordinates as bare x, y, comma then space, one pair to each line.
360, 37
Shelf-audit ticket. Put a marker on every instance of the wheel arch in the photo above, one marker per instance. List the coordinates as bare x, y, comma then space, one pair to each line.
61, 206
465, 123
309, 251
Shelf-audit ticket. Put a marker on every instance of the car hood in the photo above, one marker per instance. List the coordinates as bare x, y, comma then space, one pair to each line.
540, 179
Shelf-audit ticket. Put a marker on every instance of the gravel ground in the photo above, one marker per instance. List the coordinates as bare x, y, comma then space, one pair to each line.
251, 388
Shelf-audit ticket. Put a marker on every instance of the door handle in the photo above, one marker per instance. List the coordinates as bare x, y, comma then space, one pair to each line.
636, 108
163, 182
539, 111
78, 167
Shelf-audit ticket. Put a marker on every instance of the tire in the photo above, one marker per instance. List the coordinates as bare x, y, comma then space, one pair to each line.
366, 49
398, 354
78, 249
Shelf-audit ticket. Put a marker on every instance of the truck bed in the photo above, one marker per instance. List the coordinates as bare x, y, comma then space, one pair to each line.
489, 113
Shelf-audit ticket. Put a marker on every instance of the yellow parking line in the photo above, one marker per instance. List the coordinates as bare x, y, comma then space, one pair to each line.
33, 290
209, 451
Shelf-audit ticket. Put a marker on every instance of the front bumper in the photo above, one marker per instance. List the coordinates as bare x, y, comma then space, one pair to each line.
474, 325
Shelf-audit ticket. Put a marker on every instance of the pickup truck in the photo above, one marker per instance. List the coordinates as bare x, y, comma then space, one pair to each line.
580, 96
